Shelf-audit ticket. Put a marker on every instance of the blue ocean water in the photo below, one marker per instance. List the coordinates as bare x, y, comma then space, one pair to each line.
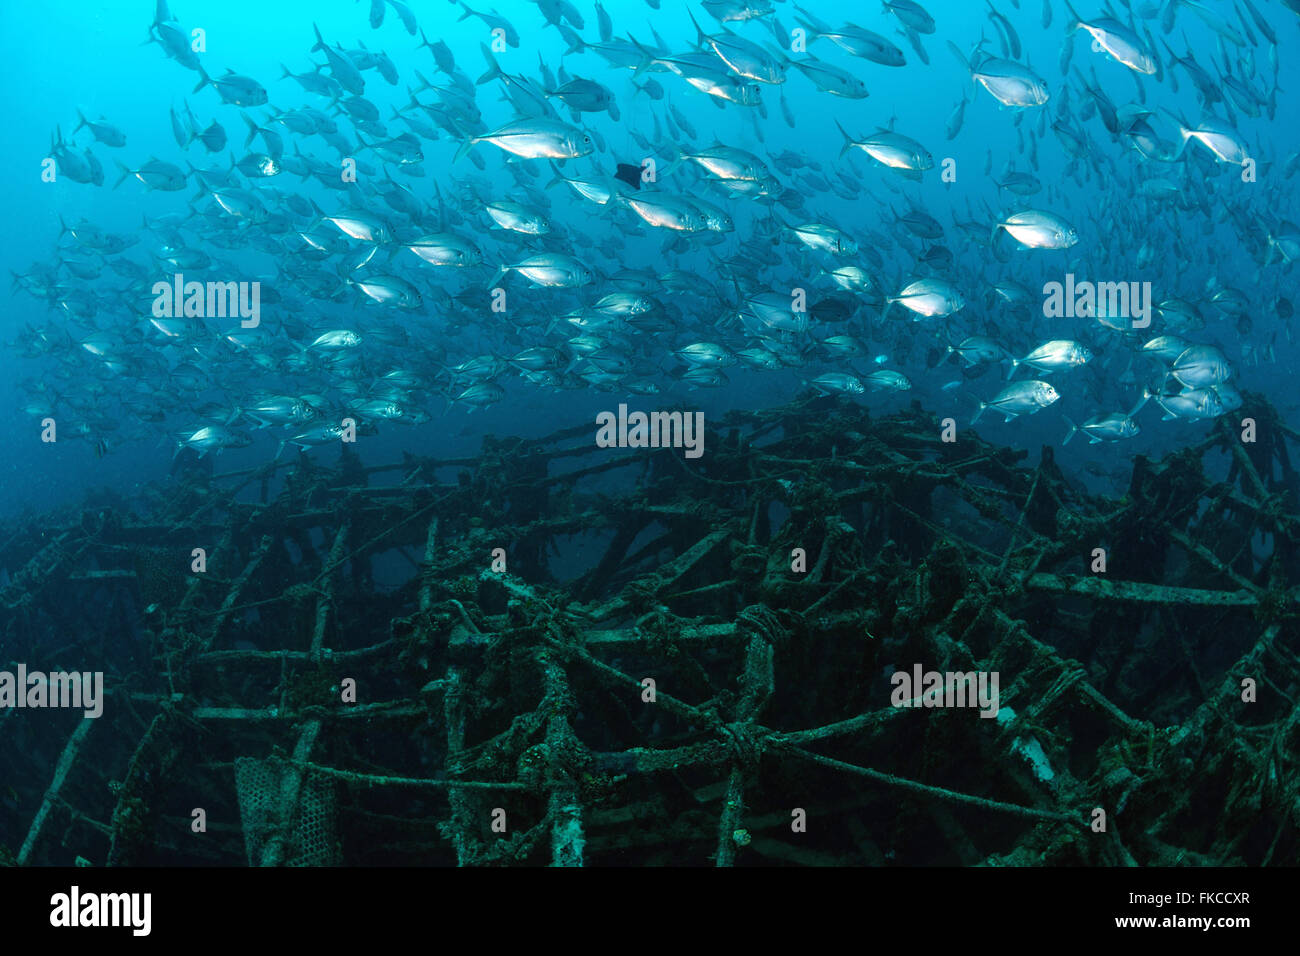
1217, 228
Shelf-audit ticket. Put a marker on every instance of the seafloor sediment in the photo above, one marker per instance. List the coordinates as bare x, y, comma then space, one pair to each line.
354, 679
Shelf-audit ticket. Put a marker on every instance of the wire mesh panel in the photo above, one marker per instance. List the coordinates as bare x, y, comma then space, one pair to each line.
311, 827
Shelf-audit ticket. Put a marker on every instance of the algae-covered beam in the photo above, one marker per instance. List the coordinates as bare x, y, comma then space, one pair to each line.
385, 709
389, 780
1243, 461
757, 684
111, 574
733, 807
232, 596
462, 824
563, 805
688, 632
1138, 591
1208, 558
670, 703
336, 557
1229, 689
670, 573
939, 793
853, 726
43, 568
1089, 694
196, 581
275, 657
276, 849
66, 762
707, 753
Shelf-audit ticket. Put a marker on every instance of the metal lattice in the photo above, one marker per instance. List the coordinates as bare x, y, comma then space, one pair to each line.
501, 716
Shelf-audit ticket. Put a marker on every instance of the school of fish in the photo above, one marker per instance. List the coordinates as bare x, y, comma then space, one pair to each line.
438, 230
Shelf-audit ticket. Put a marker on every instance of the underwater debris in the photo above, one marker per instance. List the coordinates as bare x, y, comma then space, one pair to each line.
650, 679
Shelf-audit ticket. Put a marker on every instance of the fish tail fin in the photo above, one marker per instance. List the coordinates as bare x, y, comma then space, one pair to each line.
1269, 248
468, 12
1146, 397
978, 413
811, 24
779, 222
285, 74
1072, 19
1173, 57
966, 64
81, 121
500, 274
126, 173
63, 228
319, 213
1015, 364
848, 140
700, 35
559, 177
673, 163
204, 79
998, 231
1071, 433
494, 68
425, 84
647, 57
320, 40
252, 129
465, 147
1184, 127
